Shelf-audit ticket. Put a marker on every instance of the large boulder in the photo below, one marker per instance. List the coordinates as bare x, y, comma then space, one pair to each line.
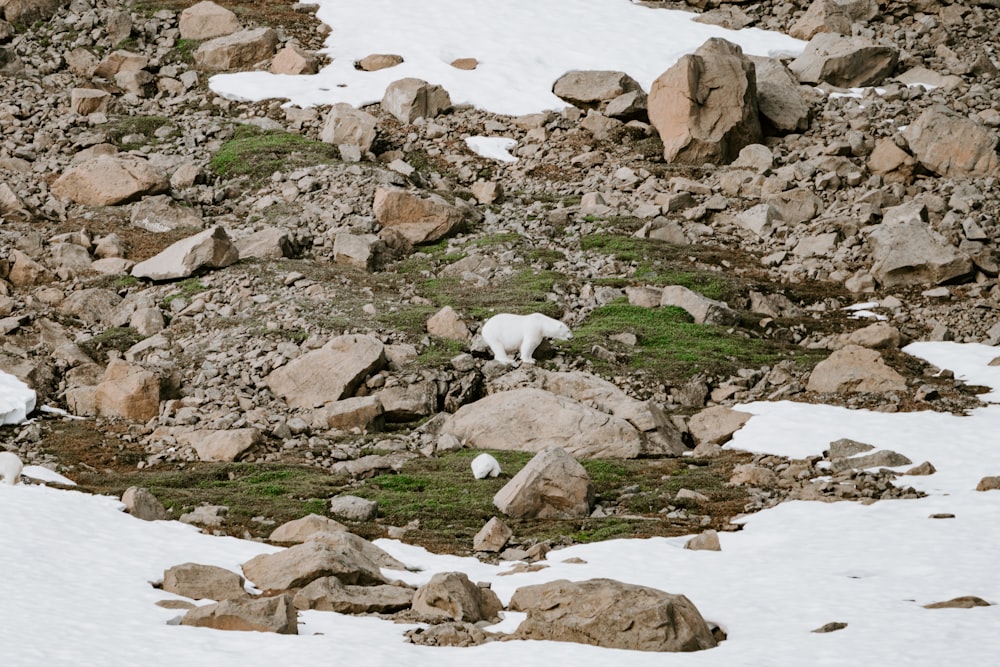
588, 89
205, 20
304, 529
779, 98
269, 614
705, 106
952, 146
299, 565
346, 125
702, 309
452, 596
142, 504
329, 594
240, 50
855, 369
161, 214
410, 99
210, 249
844, 61
716, 425
203, 582
328, 374
26, 12
221, 444
418, 219
534, 419
127, 391
553, 485
612, 614
108, 180
911, 253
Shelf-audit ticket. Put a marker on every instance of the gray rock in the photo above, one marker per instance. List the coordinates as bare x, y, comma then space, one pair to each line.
552, 485
410, 99
353, 508
452, 596
210, 249
274, 614
844, 61
201, 582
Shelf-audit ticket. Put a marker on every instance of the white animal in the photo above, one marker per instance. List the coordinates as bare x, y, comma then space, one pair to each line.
505, 333
10, 467
484, 466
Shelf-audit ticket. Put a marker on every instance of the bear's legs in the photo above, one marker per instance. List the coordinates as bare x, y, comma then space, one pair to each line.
528, 345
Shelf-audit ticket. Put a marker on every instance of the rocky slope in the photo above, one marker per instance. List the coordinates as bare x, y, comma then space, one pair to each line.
305, 324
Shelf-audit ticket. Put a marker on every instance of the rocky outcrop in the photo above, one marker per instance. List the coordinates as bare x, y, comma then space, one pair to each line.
705, 106
612, 614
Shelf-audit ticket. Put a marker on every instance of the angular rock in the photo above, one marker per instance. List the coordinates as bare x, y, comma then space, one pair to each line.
612, 614
535, 419
779, 98
304, 529
716, 425
297, 566
346, 125
492, 537
239, 50
587, 89
293, 61
552, 485
328, 374
85, 101
418, 219
221, 445
855, 369
267, 243
760, 219
446, 323
127, 391
891, 162
203, 582
367, 252
911, 253
26, 12
210, 249
353, 508
702, 309
844, 61
705, 106
108, 180
343, 539
142, 504
706, 541
452, 596
884, 458
205, 20
406, 403
822, 16
952, 146
749, 474
409, 99
274, 614
329, 594
162, 214
359, 412
119, 62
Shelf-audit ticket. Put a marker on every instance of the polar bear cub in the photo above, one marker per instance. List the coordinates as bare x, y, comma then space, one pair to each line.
506, 332
10, 467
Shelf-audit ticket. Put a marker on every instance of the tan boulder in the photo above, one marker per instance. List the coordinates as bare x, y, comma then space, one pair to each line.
706, 541
221, 445
160, 213
534, 419
109, 180
891, 162
408, 402
492, 537
86, 101
118, 62
855, 369
127, 391
552, 485
267, 243
844, 61
346, 125
779, 98
203, 582
951, 145
702, 309
588, 89
716, 425
377, 61
452, 596
328, 374
299, 565
612, 614
304, 529
269, 614
446, 323
367, 252
343, 539
210, 249
329, 594
912, 253
410, 99
418, 219
26, 12
705, 106
240, 50
205, 20
26, 272
142, 504
357, 412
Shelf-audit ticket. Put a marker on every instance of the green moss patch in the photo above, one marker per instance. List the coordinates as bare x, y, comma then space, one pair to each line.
256, 153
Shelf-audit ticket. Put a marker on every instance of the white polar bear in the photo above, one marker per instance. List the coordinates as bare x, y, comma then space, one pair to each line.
10, 467
506, 332
484, 466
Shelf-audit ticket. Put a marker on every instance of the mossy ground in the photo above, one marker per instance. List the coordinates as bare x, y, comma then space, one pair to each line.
256, 154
